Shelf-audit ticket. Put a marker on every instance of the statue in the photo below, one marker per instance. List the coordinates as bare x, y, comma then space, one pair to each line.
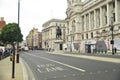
58, 33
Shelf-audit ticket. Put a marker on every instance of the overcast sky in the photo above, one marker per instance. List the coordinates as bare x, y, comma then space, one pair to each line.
33, 13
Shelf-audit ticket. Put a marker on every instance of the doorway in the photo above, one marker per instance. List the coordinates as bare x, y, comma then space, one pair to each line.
88, 48
61, 47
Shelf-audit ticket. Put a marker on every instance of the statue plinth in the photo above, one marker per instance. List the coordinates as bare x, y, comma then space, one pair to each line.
58, 41
58, 46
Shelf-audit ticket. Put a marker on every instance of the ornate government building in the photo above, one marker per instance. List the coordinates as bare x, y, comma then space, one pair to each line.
89, 25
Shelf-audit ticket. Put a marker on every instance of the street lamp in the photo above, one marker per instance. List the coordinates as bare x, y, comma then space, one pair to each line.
112, 35
71, 42
18, 26
13, 57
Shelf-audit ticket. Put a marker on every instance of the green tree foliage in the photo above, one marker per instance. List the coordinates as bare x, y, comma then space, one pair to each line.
11, 33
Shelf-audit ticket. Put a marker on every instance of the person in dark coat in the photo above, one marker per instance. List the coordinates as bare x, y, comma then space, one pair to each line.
1, 51
115, 50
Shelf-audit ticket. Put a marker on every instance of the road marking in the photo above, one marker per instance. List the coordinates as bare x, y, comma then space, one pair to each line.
106, 70
43, 68
39, 70
38, 66
79, 69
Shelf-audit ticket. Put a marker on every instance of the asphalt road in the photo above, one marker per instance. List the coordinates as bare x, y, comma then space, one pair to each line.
46, 66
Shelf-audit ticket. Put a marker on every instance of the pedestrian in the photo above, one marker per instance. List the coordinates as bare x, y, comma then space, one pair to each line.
115, 49
1, 53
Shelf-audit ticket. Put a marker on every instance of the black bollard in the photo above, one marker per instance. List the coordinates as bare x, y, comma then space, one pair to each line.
17, 60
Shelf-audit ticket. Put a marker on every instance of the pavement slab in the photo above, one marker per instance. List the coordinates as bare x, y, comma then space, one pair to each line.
6, 70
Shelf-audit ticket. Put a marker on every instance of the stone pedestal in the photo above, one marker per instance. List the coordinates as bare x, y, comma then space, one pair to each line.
58, 46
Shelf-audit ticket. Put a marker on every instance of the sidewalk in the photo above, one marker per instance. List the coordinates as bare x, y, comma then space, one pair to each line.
100, 57
109, 54
6, 70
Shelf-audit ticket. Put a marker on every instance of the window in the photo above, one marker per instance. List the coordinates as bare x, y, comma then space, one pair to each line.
91, 34
114, 17
82, 23
73, 37
105, 14
73, 26
86, 36
114, 4
60, 24
56, 24
87, 21
82, 36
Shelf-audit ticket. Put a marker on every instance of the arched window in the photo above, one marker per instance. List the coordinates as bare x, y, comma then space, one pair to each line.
73, 26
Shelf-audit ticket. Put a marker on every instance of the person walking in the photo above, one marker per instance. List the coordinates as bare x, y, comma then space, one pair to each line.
1, 51
115, 49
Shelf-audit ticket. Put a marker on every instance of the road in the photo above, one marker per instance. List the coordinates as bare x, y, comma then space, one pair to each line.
46, 66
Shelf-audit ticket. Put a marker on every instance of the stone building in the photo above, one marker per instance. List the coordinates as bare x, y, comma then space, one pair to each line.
2, 22
34, 39
49, 40
89, 22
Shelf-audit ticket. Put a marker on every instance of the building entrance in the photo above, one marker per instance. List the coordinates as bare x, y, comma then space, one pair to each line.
61, 47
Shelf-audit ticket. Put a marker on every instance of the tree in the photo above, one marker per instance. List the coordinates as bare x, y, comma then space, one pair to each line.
11, 33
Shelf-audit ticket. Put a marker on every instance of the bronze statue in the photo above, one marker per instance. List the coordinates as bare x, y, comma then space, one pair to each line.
58, 33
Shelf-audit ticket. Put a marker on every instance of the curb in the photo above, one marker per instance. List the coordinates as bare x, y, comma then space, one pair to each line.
105, 59
26, 71
25, 74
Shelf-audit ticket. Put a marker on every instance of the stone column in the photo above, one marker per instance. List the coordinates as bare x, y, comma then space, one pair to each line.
117, 10
85, 23
95, 19
108, 14
89, 22
101, 17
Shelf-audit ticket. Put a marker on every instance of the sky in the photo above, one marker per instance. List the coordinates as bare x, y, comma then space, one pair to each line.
33, 13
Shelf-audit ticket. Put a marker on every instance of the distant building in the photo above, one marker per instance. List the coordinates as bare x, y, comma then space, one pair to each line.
40, 40
34, 39
49, 40
2, 23
87, 27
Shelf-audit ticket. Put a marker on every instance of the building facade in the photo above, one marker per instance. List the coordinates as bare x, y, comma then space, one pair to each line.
49, 40
34, 39
2, 22
89, 22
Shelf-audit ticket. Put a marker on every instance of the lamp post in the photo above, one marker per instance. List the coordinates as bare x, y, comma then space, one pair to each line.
13, 57
18, 26
71, 42
112, 35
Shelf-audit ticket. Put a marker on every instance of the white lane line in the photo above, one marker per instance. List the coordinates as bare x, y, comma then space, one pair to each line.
39, 70
38, 66
79, 69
